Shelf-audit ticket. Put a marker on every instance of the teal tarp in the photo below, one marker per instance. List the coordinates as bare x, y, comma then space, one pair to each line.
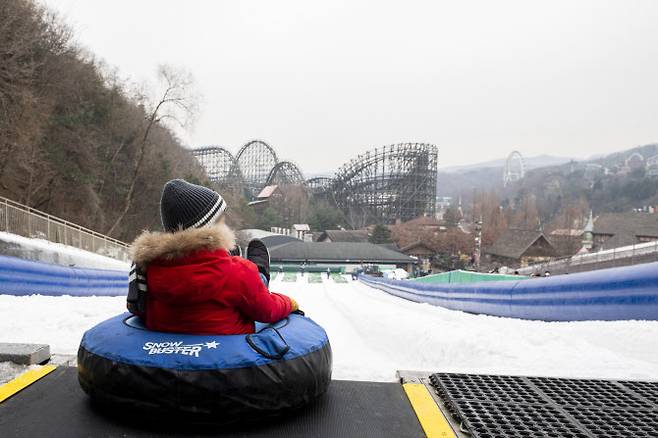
466, 277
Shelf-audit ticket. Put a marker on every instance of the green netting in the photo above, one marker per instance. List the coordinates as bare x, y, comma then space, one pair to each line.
466, 277
290, 276
287, 267
314, 277
338, 278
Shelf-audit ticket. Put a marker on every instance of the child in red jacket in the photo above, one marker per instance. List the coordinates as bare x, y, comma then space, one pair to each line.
185, 280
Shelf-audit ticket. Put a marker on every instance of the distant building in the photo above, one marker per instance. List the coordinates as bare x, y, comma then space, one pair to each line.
392, 246
567, 241
520, 248
570, 232
272, 238
423, 221
264, 198
652, 166
566, 246
443, 202
344, 236
301, 230
614, 230
422, 251
298, 231
342, 255
429, 223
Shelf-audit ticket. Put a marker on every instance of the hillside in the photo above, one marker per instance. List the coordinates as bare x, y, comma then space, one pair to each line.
529, 162
74, 140
454, 181
611, 183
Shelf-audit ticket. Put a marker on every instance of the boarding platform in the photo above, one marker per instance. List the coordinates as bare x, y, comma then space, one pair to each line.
48, 401
55, 406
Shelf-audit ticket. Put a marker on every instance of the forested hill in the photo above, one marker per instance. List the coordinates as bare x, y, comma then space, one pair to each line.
609, 183
618, 182
71, 136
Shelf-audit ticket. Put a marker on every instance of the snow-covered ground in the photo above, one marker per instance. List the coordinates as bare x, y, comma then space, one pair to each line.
10, 370
373, 334
50, 252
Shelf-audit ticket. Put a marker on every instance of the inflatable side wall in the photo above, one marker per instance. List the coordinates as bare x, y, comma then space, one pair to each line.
610, 294
25, 277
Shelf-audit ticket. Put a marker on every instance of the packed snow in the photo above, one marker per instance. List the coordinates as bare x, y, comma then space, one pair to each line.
56, 253
9, 370
373, 334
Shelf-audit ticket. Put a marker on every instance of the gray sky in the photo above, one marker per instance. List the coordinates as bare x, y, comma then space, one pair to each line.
324, 81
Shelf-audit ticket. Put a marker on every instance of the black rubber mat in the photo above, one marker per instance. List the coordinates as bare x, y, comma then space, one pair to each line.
648, 390
55, 406
508, 406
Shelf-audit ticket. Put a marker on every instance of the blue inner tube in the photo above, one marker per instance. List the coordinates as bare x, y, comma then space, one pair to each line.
282, 366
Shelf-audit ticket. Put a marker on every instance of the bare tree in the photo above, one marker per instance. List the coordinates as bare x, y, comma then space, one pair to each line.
29, 34
176, 106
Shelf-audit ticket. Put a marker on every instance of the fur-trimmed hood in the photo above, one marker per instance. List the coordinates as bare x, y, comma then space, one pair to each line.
151, 245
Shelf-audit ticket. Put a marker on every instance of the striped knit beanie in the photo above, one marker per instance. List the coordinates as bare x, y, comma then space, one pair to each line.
185, 205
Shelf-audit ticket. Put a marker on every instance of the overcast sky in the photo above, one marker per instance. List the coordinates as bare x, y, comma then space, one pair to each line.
324, 81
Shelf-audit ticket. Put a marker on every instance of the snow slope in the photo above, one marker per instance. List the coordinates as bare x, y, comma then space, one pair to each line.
373, 334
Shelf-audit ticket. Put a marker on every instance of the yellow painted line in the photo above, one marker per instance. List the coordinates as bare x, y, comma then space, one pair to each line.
432, 420
23, 381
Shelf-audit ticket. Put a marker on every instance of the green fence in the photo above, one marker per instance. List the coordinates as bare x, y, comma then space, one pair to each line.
338, 278
289, 277
287, 267
466, 277
314, 277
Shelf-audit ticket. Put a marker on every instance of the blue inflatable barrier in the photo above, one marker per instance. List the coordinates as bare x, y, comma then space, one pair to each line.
25, 277
624, 293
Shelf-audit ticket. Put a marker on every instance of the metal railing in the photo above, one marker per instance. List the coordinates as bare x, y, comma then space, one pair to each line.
627, 255
25, 221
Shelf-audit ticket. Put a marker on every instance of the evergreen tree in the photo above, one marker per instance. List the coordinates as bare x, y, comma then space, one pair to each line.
269, 218
325, 217
380, 234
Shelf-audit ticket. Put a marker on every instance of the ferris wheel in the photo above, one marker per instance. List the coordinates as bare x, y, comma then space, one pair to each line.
514, 168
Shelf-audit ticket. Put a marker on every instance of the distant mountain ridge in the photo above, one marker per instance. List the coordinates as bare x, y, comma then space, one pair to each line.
543, 160
616, 182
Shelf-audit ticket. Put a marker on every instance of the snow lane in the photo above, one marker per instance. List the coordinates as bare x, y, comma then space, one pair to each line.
373, 334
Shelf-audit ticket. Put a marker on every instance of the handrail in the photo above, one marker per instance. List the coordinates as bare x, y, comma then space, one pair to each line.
624, 252
31, 222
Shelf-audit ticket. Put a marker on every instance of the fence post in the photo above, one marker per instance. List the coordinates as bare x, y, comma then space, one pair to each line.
6, 216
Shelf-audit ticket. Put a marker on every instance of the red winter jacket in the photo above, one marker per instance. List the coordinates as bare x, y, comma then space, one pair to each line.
195, 286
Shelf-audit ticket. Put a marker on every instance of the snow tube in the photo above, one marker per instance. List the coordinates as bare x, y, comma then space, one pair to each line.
282, 366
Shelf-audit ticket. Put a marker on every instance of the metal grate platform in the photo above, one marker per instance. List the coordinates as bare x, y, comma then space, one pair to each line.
507, 406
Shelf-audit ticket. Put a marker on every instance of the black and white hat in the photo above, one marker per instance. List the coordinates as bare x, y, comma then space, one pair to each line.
185, 205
